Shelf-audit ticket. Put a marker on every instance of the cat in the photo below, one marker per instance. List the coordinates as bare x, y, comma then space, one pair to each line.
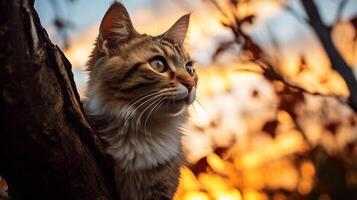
138, 92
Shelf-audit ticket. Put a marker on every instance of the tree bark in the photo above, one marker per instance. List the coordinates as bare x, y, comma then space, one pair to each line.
47, 148
338, 63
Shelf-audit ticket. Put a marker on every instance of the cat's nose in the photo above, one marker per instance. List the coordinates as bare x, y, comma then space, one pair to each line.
189, 86
186, 80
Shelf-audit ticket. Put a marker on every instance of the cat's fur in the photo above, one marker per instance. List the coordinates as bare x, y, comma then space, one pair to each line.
137, 106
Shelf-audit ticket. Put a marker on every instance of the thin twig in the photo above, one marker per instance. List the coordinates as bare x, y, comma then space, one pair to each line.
298, 17
219, 8
278, 77
340, 9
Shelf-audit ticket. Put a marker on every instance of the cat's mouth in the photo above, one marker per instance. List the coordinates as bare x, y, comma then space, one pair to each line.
184, 97
177, 99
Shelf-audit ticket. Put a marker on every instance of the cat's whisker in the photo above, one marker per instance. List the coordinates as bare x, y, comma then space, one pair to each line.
128, 114
153, 102
139, 98
194, 108
148, 115
132, 113
155, 107
145, 94
152, 97
156, 93
202, 108
152, 93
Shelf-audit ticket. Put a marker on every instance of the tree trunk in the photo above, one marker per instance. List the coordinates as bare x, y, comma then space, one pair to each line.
338, 63
47, 148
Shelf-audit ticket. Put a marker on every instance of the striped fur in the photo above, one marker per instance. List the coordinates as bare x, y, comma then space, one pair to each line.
137, 110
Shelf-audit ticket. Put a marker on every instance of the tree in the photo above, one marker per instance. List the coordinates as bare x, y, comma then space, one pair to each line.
47, 147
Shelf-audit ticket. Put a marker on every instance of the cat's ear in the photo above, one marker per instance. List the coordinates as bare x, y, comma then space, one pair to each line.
115, 28
177, 32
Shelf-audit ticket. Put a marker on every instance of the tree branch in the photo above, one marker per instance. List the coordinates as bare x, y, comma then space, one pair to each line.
336, 60
258, 56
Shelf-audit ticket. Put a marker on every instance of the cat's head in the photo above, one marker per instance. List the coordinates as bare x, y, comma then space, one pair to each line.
130, 71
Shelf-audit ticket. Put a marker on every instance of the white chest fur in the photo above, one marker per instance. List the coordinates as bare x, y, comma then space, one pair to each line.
145, 150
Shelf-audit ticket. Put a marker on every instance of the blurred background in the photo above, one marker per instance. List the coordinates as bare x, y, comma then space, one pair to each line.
272, 118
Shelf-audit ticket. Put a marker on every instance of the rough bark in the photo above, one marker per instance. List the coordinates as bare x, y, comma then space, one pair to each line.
338, 63
47, 149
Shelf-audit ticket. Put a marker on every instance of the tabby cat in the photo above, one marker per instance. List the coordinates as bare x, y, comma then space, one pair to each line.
138, 92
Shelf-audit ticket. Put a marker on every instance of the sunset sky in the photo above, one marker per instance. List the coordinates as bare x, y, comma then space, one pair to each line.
155, 16
205, 33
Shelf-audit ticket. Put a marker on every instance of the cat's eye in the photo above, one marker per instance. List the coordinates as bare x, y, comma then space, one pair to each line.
189, 68
159, 63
